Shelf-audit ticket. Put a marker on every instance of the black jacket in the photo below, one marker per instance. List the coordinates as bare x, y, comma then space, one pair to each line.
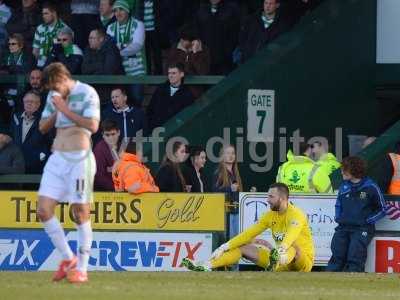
190, 175
22, 67
36, 146
163, 106
11, 160
168, 180
253, 35
129, 121
220, 33
73, 62
105, 61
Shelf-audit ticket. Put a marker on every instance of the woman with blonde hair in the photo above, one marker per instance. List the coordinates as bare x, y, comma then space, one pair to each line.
227, 180
227, 177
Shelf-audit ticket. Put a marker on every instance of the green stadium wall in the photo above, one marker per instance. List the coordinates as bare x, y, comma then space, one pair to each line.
323, 75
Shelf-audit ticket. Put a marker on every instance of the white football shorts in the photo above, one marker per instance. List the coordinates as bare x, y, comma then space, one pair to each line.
69, 177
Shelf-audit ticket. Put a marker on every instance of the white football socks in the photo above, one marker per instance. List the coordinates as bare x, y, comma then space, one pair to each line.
56, 233
85, 237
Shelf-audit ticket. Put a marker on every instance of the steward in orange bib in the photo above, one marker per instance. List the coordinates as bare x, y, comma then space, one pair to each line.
389, 181
130, 174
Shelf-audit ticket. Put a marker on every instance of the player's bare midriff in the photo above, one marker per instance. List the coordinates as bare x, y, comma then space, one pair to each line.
71, 139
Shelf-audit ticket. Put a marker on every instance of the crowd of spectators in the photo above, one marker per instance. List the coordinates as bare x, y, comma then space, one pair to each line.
122, 37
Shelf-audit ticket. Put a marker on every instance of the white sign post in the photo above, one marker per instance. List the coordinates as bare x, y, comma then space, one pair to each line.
260, 115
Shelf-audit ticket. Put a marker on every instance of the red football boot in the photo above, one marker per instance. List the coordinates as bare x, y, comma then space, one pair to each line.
64, 267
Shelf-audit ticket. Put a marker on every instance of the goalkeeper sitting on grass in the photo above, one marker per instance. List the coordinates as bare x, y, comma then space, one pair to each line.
290, 230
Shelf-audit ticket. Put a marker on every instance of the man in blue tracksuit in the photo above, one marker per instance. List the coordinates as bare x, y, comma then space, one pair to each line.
359, 205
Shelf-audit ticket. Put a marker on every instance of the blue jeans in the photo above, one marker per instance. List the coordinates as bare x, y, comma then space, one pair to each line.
234, 231
233, 225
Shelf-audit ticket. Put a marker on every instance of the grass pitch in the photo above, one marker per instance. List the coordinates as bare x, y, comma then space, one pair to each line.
212, 285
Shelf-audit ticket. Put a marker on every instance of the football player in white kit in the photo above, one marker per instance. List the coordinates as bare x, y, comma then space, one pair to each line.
73, 108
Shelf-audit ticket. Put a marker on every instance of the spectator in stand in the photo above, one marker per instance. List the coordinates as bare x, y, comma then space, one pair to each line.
106, 153
101, 57
5, 15
227, 180
106, 13
193, 54
323, 158
24, 21
227, 177
66, 52
169, 177
303, 175
36, 83
46, 33
359, 205
130, 174
193, 174
36, 80
11, 157
130, 119
169, 98
218, 25
84, 18
149, 13
261, 28
25, 131
17, 60
128, 34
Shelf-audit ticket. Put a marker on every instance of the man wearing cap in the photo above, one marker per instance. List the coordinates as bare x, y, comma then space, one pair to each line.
11, 158
129, 34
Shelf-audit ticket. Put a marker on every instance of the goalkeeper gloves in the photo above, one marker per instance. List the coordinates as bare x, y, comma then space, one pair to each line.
219, 251
277, 256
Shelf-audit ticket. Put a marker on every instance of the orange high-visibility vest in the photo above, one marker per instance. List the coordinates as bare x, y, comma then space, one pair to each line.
394, 187
129, 171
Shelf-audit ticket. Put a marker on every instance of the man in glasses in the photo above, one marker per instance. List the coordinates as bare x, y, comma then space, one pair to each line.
46, 33
66, 52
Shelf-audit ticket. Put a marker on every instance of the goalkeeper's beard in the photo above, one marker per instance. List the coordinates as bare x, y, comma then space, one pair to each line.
275, 207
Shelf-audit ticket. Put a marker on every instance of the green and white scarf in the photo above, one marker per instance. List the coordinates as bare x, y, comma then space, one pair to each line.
122, 33
267, 21
44, 40
15, 59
